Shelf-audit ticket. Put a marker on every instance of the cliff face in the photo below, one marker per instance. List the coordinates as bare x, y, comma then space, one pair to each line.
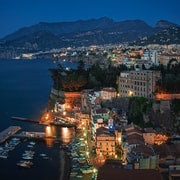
161, 115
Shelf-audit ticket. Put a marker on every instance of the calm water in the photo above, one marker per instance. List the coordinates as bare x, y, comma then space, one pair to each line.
24, 91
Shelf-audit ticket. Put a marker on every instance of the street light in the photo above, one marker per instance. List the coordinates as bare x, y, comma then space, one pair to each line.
87, 153
64, 113
94, 170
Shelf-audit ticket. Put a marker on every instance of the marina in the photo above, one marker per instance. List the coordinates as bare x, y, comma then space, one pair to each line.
7, 147
7, 133
29, 107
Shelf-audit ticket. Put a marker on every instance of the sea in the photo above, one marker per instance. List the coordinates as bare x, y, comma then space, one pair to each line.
25, 87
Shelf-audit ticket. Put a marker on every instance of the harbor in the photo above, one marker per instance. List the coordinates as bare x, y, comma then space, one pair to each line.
7, 133
29, 107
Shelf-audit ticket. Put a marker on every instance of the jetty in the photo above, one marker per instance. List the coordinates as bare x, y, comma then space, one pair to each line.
61, 124
23, 119
33, 135
7, 133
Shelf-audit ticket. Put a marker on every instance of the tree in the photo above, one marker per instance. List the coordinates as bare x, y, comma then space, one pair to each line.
73, 82
81, 66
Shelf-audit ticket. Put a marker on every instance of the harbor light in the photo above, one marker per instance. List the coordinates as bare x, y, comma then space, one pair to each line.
47, 116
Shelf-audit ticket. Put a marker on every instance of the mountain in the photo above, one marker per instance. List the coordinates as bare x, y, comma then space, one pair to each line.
163, 24
170, 35
62, 27
45, 36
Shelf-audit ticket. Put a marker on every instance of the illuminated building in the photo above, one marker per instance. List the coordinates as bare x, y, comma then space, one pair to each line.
108, 93
105, 142
138, 83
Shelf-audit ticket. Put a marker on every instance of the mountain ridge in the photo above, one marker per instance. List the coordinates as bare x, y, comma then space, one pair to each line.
44, 35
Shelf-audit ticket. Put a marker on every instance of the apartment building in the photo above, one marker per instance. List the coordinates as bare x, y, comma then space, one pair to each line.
105, 142
138, 83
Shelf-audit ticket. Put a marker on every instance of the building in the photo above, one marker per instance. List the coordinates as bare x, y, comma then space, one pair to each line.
105, 142
89, 100
165, 58
108, 93
102, 112
138, 83
114, 172
151, 56
149, 135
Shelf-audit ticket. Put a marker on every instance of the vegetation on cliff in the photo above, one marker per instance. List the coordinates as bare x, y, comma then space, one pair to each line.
85, 78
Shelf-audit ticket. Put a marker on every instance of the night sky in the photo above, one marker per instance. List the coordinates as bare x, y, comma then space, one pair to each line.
15, 14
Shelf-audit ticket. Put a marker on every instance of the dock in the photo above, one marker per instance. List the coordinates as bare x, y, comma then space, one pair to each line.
33, 135
23, 119
7, 133
68, 125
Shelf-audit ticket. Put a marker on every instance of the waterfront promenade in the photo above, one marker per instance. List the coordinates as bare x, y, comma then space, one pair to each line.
7, 133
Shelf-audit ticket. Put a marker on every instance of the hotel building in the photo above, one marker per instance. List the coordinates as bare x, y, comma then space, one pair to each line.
138, 83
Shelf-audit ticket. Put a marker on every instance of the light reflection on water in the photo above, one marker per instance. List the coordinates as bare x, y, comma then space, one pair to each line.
64, 134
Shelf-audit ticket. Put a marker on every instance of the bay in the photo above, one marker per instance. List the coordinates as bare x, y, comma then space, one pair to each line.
25, 86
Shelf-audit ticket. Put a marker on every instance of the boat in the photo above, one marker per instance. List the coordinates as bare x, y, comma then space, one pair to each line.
47, 158
43, 155
30, 146
24, 164
82, 160
15, 139
86, 170
79, 176
27, 157
73, 173
3, 155
32, 143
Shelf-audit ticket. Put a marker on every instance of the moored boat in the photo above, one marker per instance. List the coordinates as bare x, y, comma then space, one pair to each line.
87, 170
25, 164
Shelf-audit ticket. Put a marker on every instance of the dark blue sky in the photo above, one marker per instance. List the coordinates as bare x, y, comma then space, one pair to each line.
15, 14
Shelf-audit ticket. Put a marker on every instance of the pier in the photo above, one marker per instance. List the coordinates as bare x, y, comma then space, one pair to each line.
34, 135
61, 124
7, 133
23, 119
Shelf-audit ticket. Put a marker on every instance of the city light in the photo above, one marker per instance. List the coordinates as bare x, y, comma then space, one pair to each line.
47, 116
130, 93
64, 113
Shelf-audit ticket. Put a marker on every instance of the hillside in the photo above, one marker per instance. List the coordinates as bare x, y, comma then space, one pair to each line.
46, 36
171, 35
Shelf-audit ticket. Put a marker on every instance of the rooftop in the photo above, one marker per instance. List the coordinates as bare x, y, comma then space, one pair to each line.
107, 172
